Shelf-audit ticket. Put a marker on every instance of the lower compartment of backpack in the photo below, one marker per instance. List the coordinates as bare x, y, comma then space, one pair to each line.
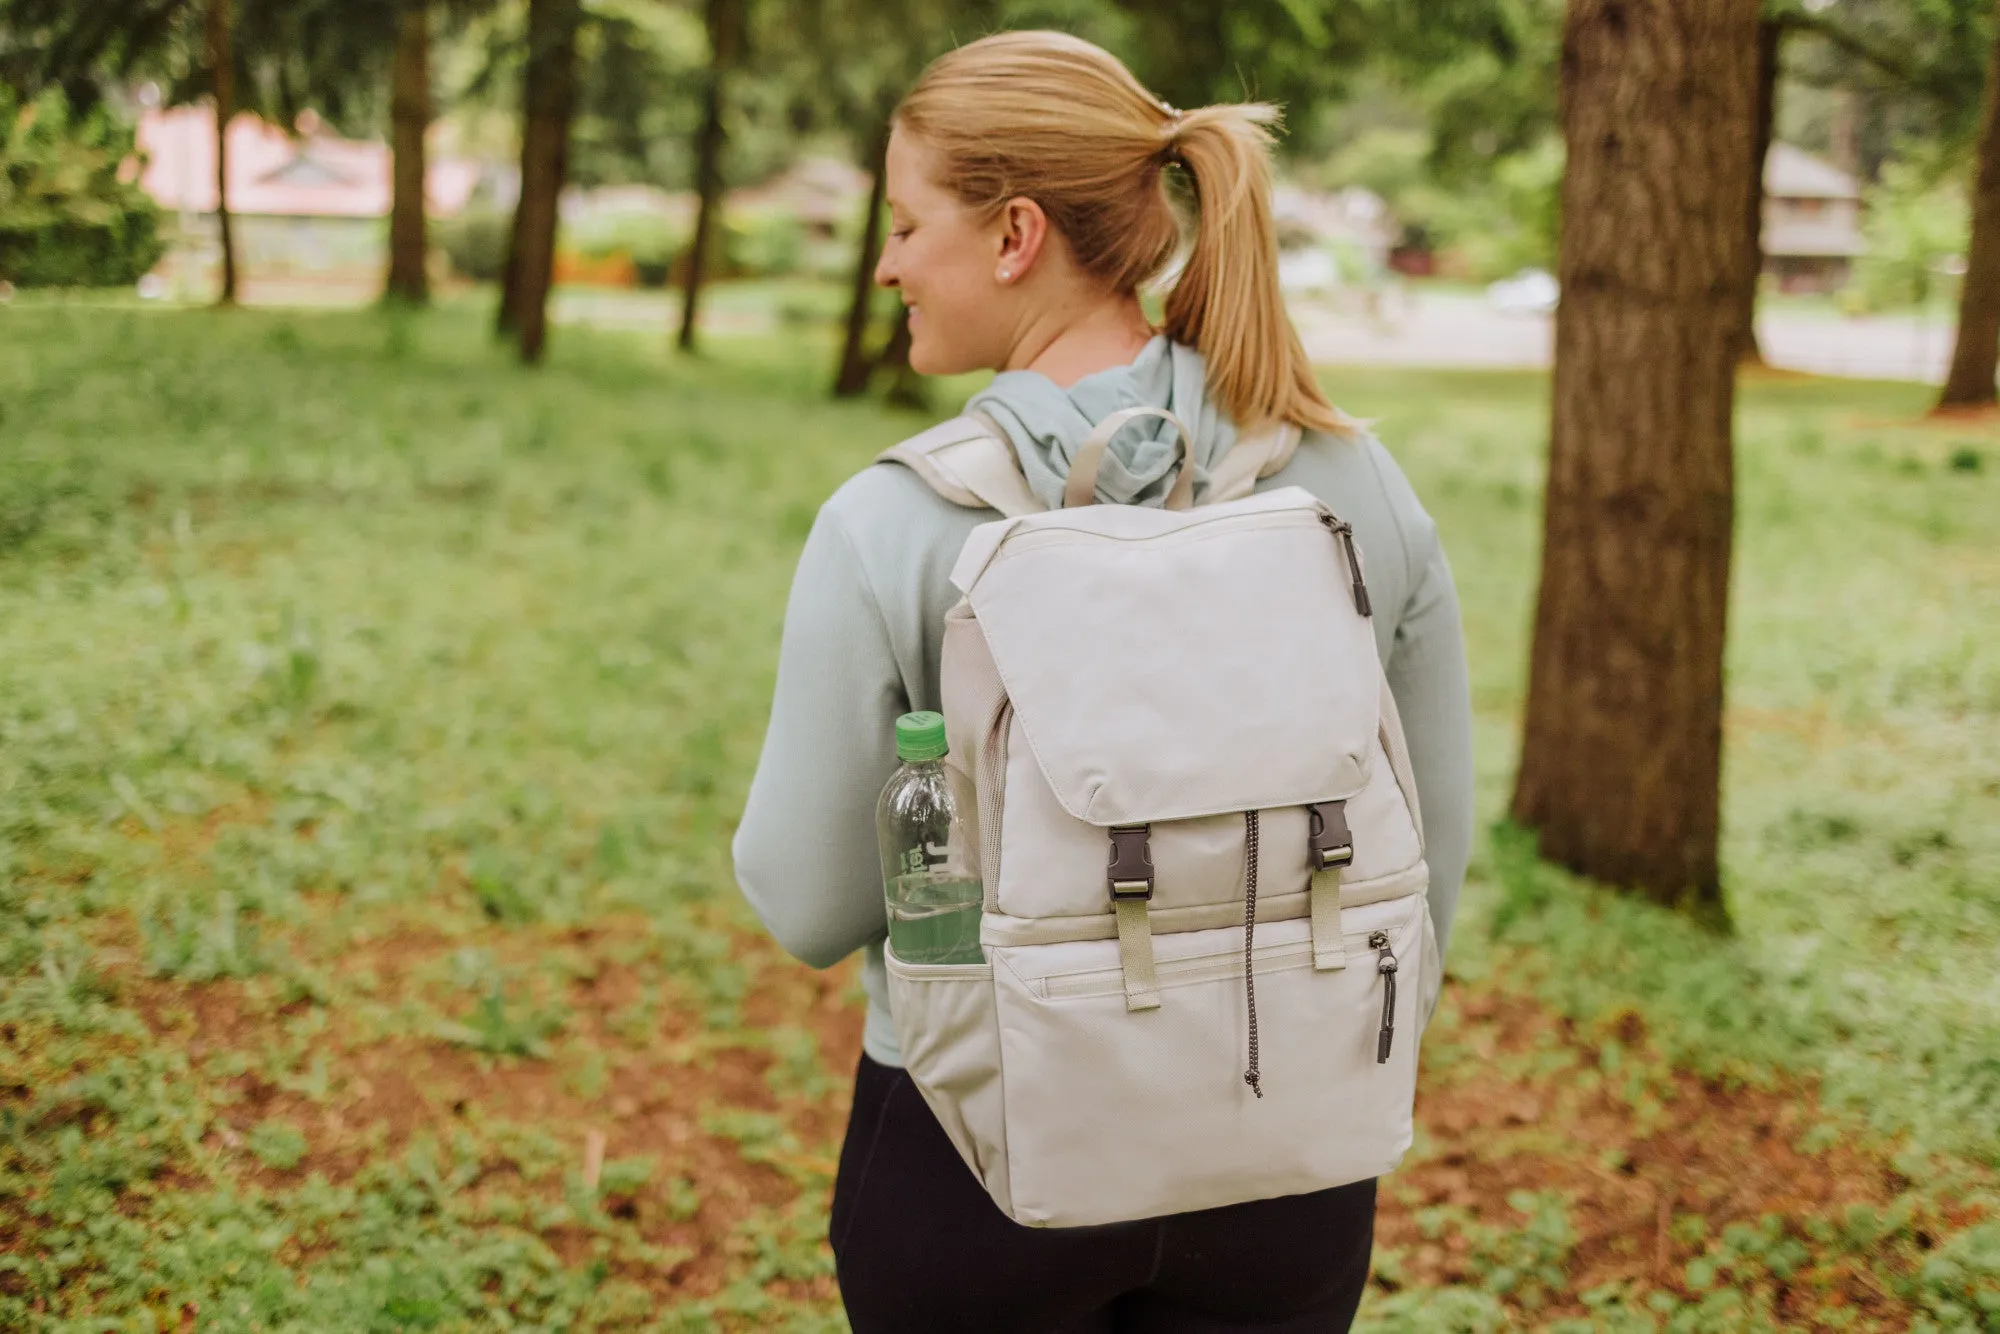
1073, 1109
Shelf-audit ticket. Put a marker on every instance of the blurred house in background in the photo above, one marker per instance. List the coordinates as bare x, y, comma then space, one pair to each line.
1812, 221
310, 207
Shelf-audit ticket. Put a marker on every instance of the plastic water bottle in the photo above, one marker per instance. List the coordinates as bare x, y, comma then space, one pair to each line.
934, 899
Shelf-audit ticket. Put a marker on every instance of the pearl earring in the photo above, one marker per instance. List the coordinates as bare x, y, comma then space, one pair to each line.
1006, 274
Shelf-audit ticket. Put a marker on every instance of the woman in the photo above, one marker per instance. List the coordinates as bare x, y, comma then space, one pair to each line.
1028, 183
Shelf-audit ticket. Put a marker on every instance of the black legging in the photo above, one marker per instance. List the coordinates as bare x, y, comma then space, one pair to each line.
921, 1249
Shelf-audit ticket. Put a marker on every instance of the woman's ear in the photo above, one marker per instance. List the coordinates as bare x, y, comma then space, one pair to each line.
1023, 232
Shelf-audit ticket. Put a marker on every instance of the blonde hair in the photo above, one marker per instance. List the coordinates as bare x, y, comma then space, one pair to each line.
1062, 122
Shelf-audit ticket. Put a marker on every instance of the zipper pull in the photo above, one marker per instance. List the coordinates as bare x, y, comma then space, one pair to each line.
1345, 532
1385, 964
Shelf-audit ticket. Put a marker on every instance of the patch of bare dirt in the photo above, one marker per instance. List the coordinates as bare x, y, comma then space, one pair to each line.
184, 842
1986, 417
648, 1098
1759, 369
1726, 1154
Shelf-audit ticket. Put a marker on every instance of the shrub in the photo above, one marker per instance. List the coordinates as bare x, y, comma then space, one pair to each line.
475, 241
763, 245
1917, 219
1487, 223
70, 215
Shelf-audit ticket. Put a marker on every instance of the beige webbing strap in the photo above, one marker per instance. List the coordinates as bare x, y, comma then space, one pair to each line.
1329, 850
1135, 954
1129, 876
968, 462
1329, 945
1081, 486
1249, 459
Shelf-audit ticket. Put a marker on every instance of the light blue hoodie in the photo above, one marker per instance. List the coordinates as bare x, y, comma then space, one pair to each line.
1047, 422
865, 625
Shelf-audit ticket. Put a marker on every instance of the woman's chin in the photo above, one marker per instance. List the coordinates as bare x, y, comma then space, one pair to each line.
927, 357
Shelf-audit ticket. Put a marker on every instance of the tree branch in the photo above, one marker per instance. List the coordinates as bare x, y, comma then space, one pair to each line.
1897, 67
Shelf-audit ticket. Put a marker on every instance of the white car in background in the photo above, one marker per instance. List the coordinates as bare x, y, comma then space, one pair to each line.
1529, 292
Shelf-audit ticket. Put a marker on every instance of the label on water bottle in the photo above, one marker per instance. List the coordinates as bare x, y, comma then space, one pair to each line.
918, 860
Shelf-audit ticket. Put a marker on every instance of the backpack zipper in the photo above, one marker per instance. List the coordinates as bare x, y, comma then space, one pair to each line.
1098, 982
1344, 530
1275, 517
1385, 964
1177, 972
1252, 1075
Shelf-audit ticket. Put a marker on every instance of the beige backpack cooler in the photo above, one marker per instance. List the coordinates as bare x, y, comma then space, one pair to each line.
1187, 797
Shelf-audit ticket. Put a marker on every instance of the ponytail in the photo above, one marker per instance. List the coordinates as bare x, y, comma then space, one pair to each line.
1227, 302
1054, 118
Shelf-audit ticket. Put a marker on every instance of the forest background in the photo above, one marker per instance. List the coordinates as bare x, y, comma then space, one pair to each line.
379, 684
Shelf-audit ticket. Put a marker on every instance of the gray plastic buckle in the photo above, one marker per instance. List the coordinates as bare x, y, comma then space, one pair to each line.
1130, 872
1328, 838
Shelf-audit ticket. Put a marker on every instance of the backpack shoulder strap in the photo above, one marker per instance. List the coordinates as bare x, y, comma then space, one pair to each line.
1249, 459
969, 462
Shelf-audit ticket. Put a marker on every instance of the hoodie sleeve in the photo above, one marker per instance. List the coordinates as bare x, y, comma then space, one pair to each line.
1427, 674
805, 850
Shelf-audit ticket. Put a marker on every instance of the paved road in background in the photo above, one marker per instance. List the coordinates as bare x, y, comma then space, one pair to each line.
1462, 330
1434, 329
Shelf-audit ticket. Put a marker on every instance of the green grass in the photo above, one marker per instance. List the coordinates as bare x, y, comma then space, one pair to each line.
351, 676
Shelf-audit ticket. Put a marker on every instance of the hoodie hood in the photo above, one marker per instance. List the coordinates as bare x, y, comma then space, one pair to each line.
1046, 423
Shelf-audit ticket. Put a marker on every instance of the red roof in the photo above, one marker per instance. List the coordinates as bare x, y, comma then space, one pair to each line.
271, 172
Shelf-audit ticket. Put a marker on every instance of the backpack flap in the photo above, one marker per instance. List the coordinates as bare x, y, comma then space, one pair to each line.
1172, 665
1163, 668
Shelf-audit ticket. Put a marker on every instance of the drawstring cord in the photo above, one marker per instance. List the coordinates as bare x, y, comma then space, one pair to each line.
1251, 1075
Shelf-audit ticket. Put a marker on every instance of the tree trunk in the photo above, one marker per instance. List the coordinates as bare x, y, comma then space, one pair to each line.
725, 39
222, 78
851, 377
1770, 38
1622, 749
1970, 381
410, 117
549, 104
507, 320
906, 387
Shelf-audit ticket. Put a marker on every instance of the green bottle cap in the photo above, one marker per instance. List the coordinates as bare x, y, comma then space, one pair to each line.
920, 737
